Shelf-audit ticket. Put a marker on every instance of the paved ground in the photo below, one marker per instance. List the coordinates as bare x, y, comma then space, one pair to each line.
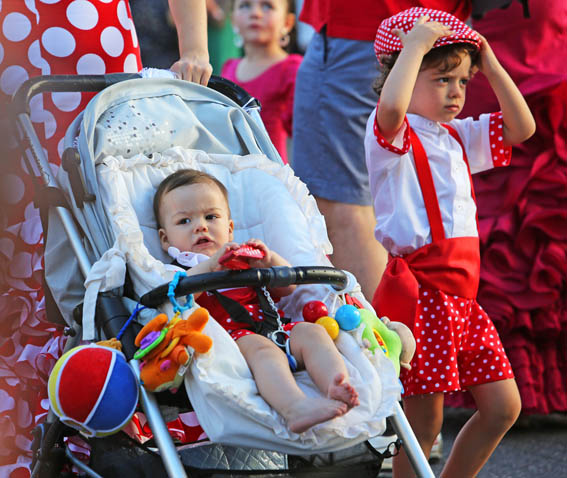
534, 447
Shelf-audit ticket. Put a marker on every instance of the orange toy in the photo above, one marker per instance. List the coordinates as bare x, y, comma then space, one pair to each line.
164, 348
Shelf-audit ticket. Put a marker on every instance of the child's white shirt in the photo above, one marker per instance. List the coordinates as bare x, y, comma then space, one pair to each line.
402, 223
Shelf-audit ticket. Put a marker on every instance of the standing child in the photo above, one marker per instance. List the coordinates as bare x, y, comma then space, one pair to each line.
266, 71
419, 159
193, 216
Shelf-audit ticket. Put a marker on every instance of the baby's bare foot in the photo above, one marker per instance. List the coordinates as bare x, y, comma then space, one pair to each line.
343, 391
311, 411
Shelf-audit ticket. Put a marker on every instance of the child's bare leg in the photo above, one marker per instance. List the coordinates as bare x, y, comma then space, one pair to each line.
498, 405
277, 386
425, 414
315, 350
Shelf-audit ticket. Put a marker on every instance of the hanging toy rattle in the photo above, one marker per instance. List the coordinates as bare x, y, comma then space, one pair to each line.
164, 343
393, 338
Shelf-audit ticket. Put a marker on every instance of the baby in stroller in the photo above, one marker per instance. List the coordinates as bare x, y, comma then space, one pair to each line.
193, 215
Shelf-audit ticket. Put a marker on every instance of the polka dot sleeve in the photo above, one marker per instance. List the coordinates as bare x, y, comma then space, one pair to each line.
390, 147
501, 155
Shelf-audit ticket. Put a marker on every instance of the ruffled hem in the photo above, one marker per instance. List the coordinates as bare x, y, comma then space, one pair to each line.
523, 233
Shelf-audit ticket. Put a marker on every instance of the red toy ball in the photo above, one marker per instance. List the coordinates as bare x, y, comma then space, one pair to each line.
314, 310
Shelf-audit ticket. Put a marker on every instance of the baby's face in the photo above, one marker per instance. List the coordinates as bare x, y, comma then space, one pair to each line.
195, 218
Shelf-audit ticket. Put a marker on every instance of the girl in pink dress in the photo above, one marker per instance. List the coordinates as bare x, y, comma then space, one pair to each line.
266, 71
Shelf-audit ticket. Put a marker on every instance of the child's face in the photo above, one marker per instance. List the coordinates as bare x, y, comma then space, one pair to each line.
195, 218
440, 95
262, 22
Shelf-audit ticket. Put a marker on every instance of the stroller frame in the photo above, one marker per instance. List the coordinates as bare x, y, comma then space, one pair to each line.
111, 311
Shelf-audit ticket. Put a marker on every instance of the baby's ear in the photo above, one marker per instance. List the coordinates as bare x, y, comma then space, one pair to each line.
231, 230
163, 239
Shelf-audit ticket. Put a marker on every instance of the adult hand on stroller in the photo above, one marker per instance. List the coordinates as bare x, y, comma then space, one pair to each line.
190, 17
193, 67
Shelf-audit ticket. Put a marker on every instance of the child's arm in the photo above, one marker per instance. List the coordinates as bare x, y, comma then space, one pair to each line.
398, 88
518, 121
270, 259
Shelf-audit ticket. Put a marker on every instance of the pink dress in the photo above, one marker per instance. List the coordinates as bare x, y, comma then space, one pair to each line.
274, 88
522, 216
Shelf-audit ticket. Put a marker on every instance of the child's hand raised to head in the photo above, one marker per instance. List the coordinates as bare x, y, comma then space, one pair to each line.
488, 62
423, 35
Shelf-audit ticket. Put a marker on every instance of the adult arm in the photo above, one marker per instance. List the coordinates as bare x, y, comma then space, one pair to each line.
190, 17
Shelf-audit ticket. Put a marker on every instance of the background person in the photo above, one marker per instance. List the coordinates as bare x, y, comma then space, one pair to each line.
333, 100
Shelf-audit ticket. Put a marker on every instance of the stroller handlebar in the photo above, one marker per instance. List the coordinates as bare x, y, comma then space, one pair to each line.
269, 277
95, 83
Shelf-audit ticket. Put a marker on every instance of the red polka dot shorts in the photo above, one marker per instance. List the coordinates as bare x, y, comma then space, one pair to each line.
457, 346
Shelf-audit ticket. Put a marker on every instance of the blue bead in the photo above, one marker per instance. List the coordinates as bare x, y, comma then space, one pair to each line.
348, 317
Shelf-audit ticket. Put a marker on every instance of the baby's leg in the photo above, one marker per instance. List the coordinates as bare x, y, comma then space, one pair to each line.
314, 349
277, 386
498, 405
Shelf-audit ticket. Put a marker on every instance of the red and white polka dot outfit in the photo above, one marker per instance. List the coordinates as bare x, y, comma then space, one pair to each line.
42, 37
457, 346
426, 217
245, 296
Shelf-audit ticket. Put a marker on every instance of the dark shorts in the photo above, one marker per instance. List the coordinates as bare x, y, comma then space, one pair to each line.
333, 100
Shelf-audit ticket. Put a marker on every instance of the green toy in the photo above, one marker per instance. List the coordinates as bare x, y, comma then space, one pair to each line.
394, 338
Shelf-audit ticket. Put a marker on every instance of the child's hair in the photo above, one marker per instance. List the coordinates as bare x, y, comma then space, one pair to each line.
446, 57
184, 177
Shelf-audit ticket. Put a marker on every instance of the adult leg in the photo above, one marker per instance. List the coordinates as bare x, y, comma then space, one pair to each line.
277, 386
314, 350
498, 407
355, 249
425, 414
333, 100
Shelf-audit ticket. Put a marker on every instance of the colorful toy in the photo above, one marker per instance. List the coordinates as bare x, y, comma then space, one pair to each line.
164, 348
93, 389
314, 310
348, 317
330, 325
381, 333
238, 258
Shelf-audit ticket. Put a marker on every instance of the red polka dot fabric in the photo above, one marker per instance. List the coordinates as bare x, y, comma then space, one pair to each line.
390, 147
246, 297
42, 37
387, 43
457, 346
501, 154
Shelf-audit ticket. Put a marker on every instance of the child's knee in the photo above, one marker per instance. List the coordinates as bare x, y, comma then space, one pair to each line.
309, 333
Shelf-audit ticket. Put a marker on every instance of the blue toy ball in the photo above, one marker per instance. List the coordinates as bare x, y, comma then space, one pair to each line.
348, 317
93, 389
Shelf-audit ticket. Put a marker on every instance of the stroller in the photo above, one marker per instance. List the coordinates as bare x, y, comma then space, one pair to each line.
131, 135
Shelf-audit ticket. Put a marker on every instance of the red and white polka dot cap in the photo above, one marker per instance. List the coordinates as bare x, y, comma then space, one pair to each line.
386, 42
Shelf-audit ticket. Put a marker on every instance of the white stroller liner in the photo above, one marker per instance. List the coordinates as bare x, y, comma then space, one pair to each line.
267, 202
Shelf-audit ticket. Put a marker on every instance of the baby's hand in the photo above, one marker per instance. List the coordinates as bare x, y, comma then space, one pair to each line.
214, 260
265, 261
424, 34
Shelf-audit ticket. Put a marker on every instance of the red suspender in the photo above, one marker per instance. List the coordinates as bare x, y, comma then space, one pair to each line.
426, 182
453, 132
427, 188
